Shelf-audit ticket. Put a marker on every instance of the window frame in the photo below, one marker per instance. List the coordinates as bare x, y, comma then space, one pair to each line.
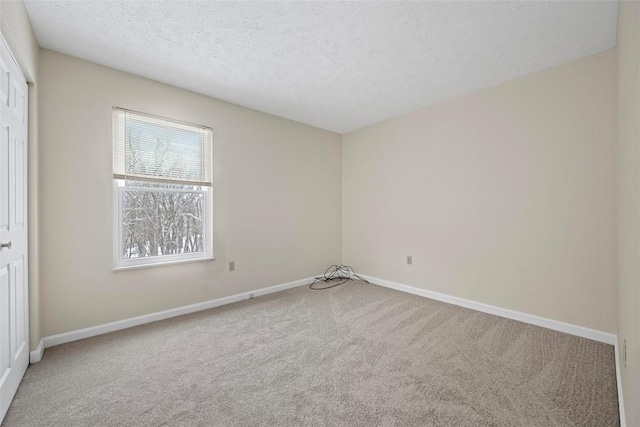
119, 186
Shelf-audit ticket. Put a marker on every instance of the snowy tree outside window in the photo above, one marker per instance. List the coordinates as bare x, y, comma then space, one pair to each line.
162, 190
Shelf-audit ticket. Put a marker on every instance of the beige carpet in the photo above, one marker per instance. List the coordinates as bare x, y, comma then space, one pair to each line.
355, 355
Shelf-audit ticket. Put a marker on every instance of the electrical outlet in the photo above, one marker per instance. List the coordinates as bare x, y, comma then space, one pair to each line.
409, 259
232, 266
624, 352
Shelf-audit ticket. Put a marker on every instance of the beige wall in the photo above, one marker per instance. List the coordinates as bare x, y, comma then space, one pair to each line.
506, 196
15, 28
277, 198
628, 47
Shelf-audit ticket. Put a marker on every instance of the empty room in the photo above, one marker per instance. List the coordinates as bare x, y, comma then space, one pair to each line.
319, 213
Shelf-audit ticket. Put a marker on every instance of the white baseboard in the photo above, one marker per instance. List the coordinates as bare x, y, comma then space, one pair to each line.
556, 325
50, 341
623, 418
53, 340
36, 355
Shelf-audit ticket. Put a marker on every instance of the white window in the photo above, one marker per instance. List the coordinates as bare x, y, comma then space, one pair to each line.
162, 190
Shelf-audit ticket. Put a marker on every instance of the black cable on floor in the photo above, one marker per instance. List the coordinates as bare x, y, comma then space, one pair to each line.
336, 273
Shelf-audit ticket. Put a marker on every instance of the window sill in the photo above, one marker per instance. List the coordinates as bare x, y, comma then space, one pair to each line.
162, 263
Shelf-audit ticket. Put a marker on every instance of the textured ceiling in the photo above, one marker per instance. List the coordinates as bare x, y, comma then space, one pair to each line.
335, 65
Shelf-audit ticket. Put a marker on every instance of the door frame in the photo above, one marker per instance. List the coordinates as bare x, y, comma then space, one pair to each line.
7, 37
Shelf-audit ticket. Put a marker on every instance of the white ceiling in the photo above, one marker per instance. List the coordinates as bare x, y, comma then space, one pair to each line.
335, 65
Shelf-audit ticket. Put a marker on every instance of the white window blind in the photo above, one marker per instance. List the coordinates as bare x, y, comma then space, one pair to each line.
149, 148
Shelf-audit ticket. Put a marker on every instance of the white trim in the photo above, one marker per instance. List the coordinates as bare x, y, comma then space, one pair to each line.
93, 331
163, 262
556, 325
623, 418
36, 355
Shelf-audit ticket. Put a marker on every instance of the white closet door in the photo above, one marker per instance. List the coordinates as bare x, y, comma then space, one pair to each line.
14, 299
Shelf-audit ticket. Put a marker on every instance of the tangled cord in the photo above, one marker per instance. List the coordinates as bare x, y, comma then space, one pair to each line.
340, 273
